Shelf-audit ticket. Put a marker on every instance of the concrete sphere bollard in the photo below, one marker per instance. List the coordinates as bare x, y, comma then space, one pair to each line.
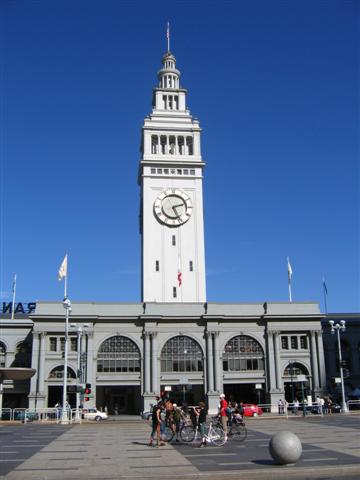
285, 448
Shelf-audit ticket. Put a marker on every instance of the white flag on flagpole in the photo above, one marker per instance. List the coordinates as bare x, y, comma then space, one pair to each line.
62, 273
290, 272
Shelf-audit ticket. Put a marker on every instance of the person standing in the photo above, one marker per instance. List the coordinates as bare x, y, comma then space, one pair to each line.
223, 413
200, 412
156, 424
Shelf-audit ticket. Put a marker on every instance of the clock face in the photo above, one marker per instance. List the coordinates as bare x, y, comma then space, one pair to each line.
173, 207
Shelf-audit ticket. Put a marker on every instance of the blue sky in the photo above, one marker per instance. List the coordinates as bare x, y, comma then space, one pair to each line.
275, 87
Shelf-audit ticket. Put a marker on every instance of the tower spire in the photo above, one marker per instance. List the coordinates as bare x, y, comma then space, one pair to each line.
168, 36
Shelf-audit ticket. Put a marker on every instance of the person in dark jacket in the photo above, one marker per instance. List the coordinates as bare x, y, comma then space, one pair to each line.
200, 412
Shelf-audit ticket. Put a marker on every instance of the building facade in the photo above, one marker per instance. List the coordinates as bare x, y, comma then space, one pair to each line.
173, 340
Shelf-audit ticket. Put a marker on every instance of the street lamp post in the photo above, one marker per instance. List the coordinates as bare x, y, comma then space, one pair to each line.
340, 327
79, 374
64, 411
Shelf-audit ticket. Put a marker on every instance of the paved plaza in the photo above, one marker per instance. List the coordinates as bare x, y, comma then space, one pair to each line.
118, 450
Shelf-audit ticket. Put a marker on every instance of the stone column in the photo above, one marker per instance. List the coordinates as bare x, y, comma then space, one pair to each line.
42, 347
147, 369
277, 360
216, 362
34, 381
314, 363
271, 361
210, 362
154, 365
321, 361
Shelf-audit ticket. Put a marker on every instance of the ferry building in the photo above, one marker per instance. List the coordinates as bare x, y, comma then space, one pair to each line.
173, 340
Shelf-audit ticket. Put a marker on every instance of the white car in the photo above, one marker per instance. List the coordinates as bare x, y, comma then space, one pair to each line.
93, 414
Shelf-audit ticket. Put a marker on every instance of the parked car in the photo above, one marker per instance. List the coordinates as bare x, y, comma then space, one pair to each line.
93, 414
252, 410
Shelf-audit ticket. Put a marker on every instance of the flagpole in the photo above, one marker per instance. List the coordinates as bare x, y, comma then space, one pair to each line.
325, 295
13, 299
67, 305
290, 296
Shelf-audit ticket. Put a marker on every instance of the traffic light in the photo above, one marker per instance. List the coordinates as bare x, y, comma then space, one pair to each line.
87, 392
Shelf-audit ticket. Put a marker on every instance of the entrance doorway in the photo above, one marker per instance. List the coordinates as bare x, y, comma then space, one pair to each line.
119, 400
244, 392
55, 395
185, 394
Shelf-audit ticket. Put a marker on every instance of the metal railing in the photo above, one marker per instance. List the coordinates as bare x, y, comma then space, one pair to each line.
353, 404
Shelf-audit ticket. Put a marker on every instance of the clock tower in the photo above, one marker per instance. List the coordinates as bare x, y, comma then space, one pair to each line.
171, 210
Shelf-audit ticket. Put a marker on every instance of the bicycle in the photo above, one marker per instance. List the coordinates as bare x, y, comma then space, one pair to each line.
237, 430
214, 435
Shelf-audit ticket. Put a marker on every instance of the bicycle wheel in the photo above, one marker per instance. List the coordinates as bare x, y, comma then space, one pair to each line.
187, 433
196, 442
216, 435
238, 432
167, 434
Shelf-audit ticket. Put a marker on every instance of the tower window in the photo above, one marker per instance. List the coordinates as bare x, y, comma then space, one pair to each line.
294, 342
163, 141
189, 144
153, 170
154, 144
174, 292
166, 171
165, 101
181, 145
173, 240
179, 171
192, 172
191, 266
176, 103
157, 266
186, 171
159, 170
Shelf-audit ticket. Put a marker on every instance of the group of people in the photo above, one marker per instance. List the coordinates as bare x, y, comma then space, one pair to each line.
323, 405
165, 412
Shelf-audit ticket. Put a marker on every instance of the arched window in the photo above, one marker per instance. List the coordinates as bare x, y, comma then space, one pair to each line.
181, 354
118, 354
243, 353
57, 373
2, 355
294, 369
